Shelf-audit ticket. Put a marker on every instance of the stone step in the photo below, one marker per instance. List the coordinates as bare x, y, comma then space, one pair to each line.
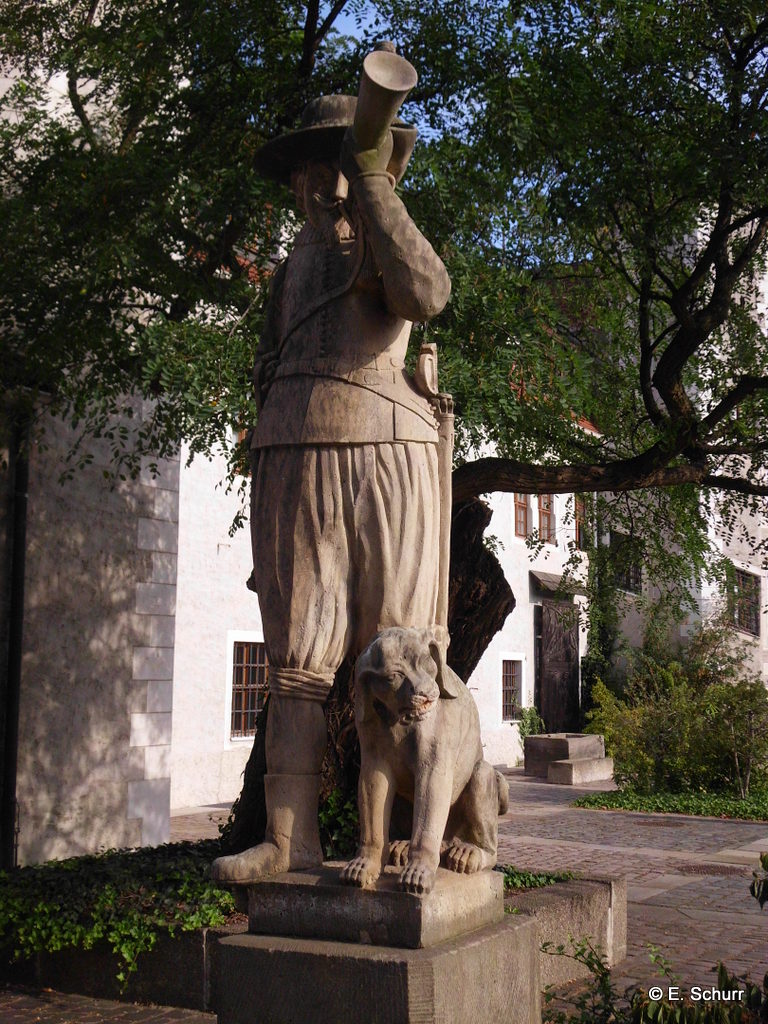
576, 771
542, 750
490, 974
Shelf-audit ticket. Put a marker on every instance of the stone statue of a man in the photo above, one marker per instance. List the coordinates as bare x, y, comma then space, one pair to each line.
345, 495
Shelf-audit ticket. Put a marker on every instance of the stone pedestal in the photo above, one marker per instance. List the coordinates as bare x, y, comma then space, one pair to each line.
541, 751
488, 975
567, 758
327, 953
315, 905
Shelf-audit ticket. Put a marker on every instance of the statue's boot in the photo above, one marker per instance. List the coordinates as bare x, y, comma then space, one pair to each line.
291, 841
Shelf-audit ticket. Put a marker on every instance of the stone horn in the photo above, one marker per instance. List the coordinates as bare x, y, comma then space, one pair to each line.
386, 80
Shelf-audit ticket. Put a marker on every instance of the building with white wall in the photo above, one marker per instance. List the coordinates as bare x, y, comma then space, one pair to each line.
217, 622
745, 601
219, 639
515, 658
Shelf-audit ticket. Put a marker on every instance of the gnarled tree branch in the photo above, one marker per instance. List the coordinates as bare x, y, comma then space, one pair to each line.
79, 108
744, 387
731, 483
332, 15
484, 476
646, 352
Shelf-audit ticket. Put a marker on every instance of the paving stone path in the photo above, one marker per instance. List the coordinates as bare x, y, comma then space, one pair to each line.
688, 882
687, 878
47, 1007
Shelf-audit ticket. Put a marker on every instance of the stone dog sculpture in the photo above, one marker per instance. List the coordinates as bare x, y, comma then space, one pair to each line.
420, 739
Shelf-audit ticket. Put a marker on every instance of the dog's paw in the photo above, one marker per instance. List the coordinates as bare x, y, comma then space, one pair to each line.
417, 877
398, 852
361, 871
464, 858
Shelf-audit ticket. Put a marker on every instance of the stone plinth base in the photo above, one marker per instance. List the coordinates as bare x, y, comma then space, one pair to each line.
187, 970
315, 905
585, 908
577, 772
491, 974
541, 751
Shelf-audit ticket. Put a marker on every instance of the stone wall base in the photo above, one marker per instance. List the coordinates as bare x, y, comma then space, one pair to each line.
491, 974
565, 913
192, 969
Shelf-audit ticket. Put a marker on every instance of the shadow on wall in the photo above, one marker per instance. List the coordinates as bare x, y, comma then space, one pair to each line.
81, 627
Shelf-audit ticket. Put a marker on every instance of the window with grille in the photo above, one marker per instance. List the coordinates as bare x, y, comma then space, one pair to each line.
511, 689
521, 515
249, 686
580, 522
745, 601
547, 518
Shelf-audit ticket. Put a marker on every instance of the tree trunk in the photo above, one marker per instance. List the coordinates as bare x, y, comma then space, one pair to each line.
480, 599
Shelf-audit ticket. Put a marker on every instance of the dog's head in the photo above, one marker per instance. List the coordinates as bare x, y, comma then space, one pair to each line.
402, 674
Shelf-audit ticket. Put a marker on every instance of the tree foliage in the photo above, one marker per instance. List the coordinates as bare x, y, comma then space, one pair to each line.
621, 154
594, 174
136, 233
609, 254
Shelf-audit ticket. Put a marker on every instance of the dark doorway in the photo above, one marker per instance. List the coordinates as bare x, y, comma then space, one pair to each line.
556, 693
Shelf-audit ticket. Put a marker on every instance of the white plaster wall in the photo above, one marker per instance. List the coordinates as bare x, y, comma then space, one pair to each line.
212, 604
515, 641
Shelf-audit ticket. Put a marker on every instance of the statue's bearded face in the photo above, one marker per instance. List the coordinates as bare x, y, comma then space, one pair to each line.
321, 190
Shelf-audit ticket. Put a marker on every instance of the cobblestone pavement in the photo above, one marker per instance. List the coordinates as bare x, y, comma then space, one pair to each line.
198, 822
687, 878
47, 1007
688, 881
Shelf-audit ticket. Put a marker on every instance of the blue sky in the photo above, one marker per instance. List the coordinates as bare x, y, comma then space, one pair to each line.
345, 23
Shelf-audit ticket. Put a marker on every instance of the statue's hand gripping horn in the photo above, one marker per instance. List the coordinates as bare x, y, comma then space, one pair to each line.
385, 82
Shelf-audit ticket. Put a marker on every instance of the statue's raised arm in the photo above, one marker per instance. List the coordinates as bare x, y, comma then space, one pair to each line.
416, 283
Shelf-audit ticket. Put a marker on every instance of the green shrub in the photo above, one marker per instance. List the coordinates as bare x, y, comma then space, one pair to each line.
339, 825
517, 879
699, 724
125, 897
529, 722
662, 736
741, 713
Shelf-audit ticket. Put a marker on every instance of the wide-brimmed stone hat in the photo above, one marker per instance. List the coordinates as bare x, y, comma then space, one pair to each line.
323, 124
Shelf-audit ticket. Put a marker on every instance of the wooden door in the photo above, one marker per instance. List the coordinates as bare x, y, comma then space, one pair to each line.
556, 692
